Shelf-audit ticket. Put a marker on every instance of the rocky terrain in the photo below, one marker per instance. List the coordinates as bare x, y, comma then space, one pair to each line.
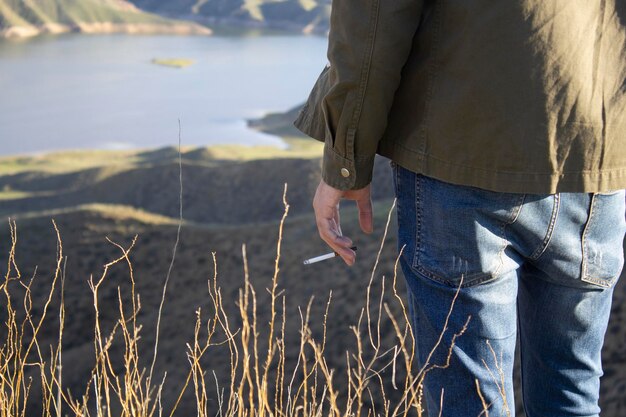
21, 19
301, 15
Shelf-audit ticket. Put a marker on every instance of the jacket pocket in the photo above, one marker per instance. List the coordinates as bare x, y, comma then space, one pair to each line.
603, 237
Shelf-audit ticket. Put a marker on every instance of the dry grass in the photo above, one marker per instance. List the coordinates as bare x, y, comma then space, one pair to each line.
262, 381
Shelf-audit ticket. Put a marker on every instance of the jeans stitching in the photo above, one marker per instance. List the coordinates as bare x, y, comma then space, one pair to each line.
583, 273
522, 374
486, 276
583, 269
505, 241
469, 280
546, 240
518, 208
502, 248
394, 170
418, 220
418, 236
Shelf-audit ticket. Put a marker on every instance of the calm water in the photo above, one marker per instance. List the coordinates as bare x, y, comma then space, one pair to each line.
78, 91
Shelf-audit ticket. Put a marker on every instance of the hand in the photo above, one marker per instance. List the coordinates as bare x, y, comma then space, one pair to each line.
326, 206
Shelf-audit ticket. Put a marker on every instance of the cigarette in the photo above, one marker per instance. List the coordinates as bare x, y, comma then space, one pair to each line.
324, 257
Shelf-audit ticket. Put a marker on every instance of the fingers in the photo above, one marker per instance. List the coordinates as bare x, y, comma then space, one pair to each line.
366, 213
337, 219
327, 218
338, 243
326, 206
330, 232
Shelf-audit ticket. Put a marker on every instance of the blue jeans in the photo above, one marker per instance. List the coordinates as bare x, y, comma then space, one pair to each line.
541, 267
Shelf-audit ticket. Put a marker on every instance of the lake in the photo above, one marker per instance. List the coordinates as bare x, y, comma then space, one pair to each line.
102, 91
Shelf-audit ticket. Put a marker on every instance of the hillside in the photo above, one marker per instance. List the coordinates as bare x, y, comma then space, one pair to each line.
279, 124
147, 180
229, 199
303, 15
24, 18
231, 196
217, 190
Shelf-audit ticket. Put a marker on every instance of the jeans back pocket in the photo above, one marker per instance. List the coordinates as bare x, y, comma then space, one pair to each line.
452, 234
603, 236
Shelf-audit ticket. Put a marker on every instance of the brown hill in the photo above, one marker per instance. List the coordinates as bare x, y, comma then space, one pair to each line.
84, 232
215, 191
226, 204
19, 18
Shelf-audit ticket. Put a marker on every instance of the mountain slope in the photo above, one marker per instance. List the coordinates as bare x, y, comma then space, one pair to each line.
280, 123
148, 181
305, 15
219, 203
21, 18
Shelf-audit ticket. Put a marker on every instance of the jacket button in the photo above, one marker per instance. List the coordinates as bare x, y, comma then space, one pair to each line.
345, 173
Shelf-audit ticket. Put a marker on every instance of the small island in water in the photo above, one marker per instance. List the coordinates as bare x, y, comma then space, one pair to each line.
173, 62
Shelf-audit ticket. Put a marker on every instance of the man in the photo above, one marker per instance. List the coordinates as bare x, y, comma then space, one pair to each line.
506, 125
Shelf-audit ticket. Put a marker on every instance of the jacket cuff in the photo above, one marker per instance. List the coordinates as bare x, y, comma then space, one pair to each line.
345, 174
334, 166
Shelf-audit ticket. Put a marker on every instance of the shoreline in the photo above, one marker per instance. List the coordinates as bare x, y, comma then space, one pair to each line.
77, 159
182, 28
186, 26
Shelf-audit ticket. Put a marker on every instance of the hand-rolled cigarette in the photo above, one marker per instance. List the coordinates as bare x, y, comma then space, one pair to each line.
324, 257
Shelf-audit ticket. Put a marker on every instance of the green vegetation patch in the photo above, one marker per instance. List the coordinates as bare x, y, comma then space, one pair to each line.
65, 161
296, 148
117, 212
13, 195
77, 160
173, 62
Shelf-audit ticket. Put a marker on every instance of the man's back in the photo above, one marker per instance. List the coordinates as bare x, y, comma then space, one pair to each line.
517, 96
526, 98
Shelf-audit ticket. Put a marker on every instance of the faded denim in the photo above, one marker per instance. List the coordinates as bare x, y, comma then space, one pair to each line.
550, 260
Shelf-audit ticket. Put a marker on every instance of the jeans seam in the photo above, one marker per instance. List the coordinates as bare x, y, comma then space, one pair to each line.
394, 170
548, 237
502, 248
505, 240
518, 208
418, 220
583, 270
521, 357
486, 276
418, 244
468, 281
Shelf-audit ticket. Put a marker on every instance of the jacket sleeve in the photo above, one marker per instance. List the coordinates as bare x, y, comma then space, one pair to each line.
368, 44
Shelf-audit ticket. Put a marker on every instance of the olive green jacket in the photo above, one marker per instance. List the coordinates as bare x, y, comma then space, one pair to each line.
508, 95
